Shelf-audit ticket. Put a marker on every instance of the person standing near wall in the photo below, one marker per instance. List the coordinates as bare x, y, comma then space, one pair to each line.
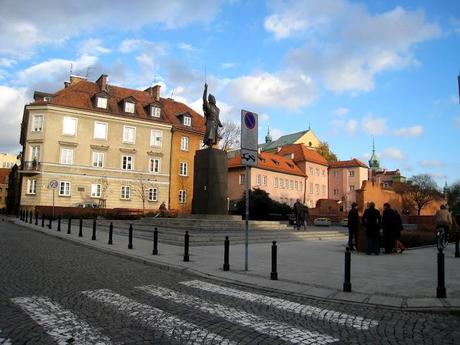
353, 225
372, 221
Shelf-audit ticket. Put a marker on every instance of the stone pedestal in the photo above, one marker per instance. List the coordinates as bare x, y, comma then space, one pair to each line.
210, 182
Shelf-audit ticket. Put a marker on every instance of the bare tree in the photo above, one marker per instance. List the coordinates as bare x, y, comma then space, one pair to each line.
420, 191
229, 135
141, 190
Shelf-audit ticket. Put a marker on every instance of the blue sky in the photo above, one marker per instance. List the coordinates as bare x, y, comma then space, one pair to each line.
353, 70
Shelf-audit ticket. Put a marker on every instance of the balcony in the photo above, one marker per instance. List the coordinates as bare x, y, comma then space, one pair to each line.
31, 168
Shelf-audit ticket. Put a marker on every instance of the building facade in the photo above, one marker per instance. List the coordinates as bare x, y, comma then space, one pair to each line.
4, 175
307, 138
8, 160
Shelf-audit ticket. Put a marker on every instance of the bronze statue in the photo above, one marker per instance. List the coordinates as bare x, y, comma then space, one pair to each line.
211, 114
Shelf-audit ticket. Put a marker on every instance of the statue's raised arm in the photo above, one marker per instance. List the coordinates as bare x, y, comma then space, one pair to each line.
211, 114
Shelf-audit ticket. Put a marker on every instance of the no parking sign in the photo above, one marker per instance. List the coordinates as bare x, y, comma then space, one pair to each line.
249, 136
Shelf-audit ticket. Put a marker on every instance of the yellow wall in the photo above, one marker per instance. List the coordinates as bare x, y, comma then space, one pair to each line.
8, 160
307, 139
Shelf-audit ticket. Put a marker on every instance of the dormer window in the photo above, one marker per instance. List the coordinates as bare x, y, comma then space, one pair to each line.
155, 111
101, 102
47, 99
187, 121
129, 107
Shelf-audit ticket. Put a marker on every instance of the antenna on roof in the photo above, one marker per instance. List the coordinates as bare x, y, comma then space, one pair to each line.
172, 93
309, 127
87, 71
70, 73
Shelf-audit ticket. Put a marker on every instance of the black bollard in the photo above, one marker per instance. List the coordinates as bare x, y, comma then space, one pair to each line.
441, 289
111, 233
69, 225
36, 218
50, 224
18, 215
274, 273
347, 283
26, 216
457, 252
130, 244
43, 220
31, 216
93, 238
226, 254
59, 224
186, 244
21, 215
80, 230
155, 242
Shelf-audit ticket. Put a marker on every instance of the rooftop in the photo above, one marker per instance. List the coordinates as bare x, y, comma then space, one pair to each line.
352, 163
303, 154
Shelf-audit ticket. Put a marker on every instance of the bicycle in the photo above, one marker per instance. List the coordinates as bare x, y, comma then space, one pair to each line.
441, 238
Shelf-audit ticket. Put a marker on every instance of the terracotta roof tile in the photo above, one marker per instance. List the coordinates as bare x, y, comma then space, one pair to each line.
302, 154
352, 163
272, 162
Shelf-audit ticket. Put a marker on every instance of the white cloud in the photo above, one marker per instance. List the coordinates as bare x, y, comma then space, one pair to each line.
351, 126
92, 46
284, 26
374, 125
431, 163
264, 117
227, 65
12, 102
276, 133
393, 154
341, 125
281, 90
4, 62
186, 47
341, 111
414, 131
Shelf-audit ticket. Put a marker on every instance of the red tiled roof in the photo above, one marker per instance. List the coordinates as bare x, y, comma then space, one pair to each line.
302, 154
270, 161
352, 163
4, 172
80, 95
388, 172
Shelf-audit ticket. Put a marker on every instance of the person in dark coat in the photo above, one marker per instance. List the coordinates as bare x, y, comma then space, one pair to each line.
353, 225
372, 221
389, 224
299, 213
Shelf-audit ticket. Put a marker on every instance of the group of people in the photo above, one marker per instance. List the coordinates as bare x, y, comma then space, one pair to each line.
301, 215
390, 221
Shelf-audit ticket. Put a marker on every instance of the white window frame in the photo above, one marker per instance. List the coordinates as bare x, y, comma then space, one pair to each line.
156, 138
351, 187
259, 179
128, 162
130, 107
317, 188
106, 126
35, 153
275, 182
155, 111
125, 193
183, 169
187, 121
101, 102
96, 190
126, 139
66, 156
153, 194
351, 173
182, 196
35, 128
31, 187
264, 180
155, 167
66, 190
296, 185
96, 162
184, 143
66, 131
312, 171
317, 172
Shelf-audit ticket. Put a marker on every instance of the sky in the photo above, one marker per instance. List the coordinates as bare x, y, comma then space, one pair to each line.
353, 71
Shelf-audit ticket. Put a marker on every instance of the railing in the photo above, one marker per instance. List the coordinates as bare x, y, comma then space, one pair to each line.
31, 166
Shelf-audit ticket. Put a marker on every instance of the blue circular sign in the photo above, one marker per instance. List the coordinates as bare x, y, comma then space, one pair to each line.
249, 120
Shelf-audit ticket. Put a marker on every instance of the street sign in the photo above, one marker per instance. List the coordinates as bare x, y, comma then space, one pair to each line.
53, 184
249, 130
249, 157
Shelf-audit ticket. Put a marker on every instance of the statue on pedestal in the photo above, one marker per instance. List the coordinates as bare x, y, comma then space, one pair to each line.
211, 114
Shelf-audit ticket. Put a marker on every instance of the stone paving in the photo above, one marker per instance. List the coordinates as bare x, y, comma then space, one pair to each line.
56, 291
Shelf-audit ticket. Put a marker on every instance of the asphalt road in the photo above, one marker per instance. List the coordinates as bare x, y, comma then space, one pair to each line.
56, 292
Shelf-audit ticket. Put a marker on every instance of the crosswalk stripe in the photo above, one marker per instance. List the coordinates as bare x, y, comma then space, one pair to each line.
282, 304
156, 318
61, 324
4, 341
260, 324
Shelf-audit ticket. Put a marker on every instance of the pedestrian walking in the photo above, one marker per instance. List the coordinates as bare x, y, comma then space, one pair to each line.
389, 224
353, 225
372, 221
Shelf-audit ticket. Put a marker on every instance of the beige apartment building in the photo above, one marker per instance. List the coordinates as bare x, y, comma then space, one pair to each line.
314, 166
8, 160
101, 144
277, 175
345, 177
4, 175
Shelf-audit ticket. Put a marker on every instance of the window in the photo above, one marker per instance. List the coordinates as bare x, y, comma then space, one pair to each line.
335, 173
241, 179
281, 182
311, 188
324, 172
127, 162
187, 121
352, 188
311, 171
317, 172
66, 156
129, 135
291, 183
98, 159
317, 188
351, 173
37, 123
154, 165
35, 153
100, 130
125, 192
95, 190
323, 187
184, 143
336, 191
129, 107
31, 186
153, 194
296, 185
300, 185
258, 179
182, 196
275, 182
155, 111
64, 188
69, 126
156, 138
102, 102
264, 179
183, 169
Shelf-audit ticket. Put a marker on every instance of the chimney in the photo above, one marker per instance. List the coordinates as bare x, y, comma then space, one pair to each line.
154, 92
75, 79
102, 82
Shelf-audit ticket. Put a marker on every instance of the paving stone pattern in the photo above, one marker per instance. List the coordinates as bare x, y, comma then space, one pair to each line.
56, 292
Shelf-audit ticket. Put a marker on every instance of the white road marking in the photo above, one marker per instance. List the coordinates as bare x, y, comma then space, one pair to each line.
156, 318
61, 324
260, 324
4, 341
282, 304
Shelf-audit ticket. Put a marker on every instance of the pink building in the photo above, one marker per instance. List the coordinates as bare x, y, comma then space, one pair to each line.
345, 177
277, 175
314, 166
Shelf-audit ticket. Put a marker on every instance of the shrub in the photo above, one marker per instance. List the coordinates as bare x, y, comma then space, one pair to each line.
261, 206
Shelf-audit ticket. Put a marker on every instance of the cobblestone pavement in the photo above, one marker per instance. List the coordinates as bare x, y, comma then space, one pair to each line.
56, 292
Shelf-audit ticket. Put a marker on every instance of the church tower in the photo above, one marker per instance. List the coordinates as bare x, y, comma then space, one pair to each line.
374, 163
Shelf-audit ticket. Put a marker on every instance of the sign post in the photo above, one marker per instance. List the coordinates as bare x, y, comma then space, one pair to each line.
53, 184
249, 136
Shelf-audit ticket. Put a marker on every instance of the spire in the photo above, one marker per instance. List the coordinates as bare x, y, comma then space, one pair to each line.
309, 127
268, 137
374, 163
